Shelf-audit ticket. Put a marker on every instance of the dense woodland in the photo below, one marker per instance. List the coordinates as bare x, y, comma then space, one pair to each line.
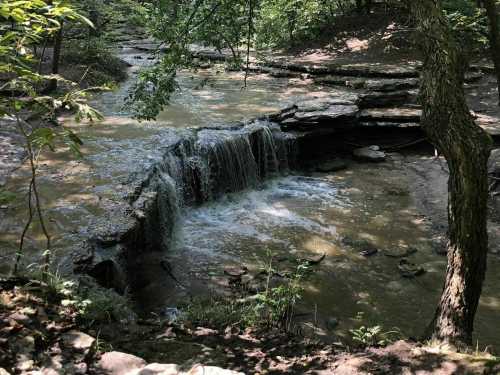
55, 56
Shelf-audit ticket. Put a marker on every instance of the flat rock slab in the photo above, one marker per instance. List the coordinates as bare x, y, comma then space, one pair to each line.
377, 99
391, 84
409, 70
390, 114
319, 111
331, 113
375, 70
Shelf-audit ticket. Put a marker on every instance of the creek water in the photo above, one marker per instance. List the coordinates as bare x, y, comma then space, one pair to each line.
293, 216
303, 217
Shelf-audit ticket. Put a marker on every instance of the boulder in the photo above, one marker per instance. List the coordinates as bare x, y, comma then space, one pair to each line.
79, 342
117, 363
370, 153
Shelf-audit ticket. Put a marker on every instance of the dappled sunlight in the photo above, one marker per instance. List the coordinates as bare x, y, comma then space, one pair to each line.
356, 45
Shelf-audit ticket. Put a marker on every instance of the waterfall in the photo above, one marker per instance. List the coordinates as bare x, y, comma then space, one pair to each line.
209, 164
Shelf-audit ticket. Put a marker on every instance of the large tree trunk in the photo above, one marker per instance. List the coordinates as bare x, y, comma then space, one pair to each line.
491, 12
448, 124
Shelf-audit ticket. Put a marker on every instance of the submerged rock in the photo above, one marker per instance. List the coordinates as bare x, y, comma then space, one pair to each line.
332, 165
410, 270
369, 252
332, 323
235, 271
370, 153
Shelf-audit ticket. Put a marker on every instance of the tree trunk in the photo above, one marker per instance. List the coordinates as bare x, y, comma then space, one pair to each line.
56, 56
450, 127
491, 12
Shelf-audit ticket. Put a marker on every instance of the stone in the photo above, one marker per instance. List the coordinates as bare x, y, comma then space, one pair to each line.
494, 163
368, 252
391, 84
79, 342
159, 369
19, 318
322, 103
390, 114
332, 166
384, 99
370, 153
25, 365
471, 77
235, 271
332, 323
210, 370
410, 270
117, 363
331, 113
314, 258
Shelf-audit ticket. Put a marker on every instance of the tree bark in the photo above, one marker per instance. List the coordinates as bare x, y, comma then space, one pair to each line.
448, 124
494, 36
56, 57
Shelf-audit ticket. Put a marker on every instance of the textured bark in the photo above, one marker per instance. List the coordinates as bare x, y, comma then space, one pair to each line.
56, 57
492, 13
450, 127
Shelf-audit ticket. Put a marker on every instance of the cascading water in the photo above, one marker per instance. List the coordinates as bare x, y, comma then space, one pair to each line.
210, 163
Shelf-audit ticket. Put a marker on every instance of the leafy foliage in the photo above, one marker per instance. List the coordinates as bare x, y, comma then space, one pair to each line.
23, 24
373, 336
468, 22
271, 308
284, 22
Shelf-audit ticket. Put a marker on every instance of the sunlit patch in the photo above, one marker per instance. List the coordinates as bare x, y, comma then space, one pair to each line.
319, 245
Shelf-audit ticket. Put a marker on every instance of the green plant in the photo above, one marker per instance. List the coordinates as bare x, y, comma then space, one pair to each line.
94, 56
217, 312
468, 22
6, 196
274, 307
271, 308
373, 336
89, 303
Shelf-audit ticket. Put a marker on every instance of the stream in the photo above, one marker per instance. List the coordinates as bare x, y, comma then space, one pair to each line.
290, 217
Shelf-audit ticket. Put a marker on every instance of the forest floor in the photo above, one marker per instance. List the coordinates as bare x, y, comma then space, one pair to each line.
41, 335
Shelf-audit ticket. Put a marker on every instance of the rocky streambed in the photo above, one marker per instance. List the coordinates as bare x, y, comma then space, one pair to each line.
165, 212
